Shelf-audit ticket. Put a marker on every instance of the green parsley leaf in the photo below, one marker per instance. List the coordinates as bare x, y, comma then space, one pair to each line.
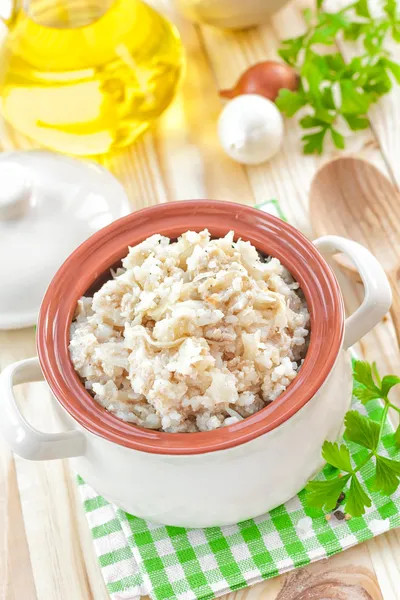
337, 139
336, 63
314, 72
365, 432
327, 99
368, 76
324, 115
390, 8
378, 86
325, 494
307, 15
375, 373
353, 31
290, 102
356, 123
396, 32
393, 465
309, 121
388, 382
365, 395
337, 456
361, 430
397, 436
325, 35
357, 499
320, 119
354, 100
386, 481
329, 25
394, 69
290, 49
362, 373
314, 141
361, 8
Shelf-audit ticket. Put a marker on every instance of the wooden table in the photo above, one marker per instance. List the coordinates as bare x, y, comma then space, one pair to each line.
45, 548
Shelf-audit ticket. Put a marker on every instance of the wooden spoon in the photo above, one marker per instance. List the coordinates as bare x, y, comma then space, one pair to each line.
352, 198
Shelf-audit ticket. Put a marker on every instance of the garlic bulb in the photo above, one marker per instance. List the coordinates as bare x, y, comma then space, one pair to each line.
250, 129
230, 14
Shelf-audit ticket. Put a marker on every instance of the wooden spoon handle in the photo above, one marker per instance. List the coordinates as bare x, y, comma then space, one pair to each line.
395, 308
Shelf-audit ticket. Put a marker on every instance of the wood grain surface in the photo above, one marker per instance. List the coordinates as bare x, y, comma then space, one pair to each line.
45, 548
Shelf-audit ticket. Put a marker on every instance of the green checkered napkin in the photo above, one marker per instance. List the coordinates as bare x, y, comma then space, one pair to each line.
167, 563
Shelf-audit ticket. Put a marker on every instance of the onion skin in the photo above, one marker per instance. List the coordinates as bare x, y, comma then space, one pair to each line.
265, 79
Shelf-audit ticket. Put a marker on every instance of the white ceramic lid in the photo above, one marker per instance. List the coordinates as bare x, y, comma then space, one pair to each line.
49, 204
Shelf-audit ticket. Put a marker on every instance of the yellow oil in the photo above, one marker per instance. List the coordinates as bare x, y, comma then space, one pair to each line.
84, 77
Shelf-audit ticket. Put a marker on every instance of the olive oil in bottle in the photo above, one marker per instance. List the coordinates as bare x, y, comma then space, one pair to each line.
87, 76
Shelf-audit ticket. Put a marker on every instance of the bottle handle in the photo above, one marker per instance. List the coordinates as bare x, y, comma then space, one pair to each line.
16, 6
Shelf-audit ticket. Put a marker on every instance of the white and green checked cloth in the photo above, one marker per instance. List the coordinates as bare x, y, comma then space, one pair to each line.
139, 558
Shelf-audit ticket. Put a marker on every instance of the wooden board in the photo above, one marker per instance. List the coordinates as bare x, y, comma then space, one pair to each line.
45, 548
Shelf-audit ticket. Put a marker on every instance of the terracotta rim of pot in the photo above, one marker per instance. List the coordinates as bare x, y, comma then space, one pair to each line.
90, 263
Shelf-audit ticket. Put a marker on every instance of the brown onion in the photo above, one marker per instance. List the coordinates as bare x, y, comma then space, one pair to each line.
266, 79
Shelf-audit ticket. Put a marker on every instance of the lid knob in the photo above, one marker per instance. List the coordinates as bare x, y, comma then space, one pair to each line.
15, 190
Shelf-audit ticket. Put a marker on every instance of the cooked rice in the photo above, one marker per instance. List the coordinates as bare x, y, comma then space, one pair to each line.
190, 335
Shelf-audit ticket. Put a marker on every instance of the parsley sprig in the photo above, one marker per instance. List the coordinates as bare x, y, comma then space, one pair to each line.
366, 433
332, 90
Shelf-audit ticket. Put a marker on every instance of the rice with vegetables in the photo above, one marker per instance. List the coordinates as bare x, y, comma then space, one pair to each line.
190, 335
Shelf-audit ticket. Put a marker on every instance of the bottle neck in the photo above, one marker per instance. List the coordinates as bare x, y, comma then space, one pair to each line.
66, 14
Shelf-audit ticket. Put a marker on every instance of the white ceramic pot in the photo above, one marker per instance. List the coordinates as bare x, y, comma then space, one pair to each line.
210, 478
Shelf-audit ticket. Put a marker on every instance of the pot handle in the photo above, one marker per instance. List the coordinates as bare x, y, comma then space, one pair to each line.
378, 294
24, 440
